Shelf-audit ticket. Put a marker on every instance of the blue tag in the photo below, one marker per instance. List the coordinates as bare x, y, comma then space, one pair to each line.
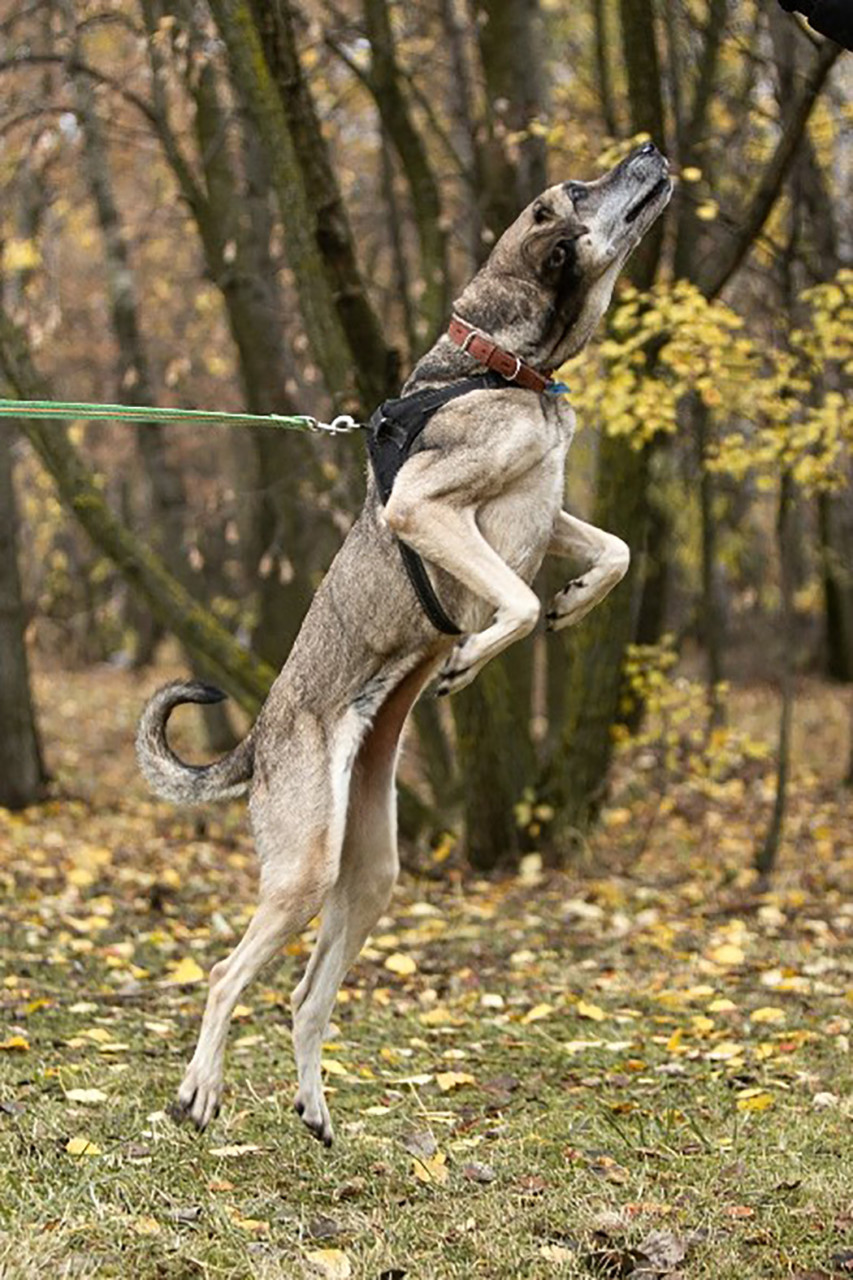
558, 388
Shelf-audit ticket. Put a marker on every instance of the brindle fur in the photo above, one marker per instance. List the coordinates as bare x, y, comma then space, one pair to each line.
480, 499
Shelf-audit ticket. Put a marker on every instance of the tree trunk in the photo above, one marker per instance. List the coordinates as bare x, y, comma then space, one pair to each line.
765, 859
22, 774
510, 41
384, 82
835, 524
300, 208
243, 675
168, 497
575, 780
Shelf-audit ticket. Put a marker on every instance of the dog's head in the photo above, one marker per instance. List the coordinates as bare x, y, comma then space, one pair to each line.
550, 277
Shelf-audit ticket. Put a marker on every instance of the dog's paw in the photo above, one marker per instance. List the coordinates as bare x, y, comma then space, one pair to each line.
198, 1100
314, 1114
570, 605
461, 667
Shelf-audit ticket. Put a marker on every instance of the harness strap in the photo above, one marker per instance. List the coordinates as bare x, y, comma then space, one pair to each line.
391, 433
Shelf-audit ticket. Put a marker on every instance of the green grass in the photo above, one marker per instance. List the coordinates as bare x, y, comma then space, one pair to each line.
731, 1134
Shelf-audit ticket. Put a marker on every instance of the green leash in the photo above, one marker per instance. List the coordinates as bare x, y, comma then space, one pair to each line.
78, 410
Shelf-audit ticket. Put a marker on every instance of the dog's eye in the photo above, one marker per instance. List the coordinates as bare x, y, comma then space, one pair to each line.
541, 213
577, 192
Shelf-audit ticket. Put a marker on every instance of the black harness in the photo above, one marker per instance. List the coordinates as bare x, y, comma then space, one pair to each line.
391, 433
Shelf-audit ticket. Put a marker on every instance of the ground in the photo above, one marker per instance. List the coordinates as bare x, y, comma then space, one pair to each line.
638, 1068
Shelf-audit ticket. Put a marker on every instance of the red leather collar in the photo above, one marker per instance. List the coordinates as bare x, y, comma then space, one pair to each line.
488, 353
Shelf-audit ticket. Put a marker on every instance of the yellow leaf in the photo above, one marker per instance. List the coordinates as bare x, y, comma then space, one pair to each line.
401, 964
691, 174
724, 1051
241, 1149
722, 1005
754, 1100
186, 971
88, 1097
99, 1034
538, 1012
256, 1225
586, 1010
431, 1169
447, 1080
81, 877
332, 1067
15, 1043
146, 1226
768, 1013
728, 953
82, 1147
555, 1253
331, 1264
440, 1016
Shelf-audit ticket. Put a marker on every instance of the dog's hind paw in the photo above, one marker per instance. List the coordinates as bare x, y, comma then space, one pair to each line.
198, 1101
315, 1116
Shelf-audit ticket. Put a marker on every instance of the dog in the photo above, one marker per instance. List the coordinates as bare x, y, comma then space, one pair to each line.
479, 499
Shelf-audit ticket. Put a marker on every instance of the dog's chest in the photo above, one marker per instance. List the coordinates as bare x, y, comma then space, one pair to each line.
519, 521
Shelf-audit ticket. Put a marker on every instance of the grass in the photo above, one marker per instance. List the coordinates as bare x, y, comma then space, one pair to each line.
575, 1063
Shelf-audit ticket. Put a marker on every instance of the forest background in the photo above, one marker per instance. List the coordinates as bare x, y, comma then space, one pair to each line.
270, 207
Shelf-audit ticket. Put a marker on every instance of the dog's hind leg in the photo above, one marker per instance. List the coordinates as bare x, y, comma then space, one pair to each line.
299, 828
368, 871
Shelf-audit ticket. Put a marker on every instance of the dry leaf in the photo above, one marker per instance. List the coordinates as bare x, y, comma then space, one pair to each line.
186, 971
447, 1080
241, 1149
431, 1169
82, 1147
331, 1264
401, 964
586, 1010
88, 1097
769, 1013
19, 1044
729, 953
538, 1012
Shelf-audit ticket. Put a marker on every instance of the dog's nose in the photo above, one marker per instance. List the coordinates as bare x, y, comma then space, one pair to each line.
647, 149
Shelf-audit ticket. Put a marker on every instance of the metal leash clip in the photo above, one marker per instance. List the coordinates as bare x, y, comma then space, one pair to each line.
339, 426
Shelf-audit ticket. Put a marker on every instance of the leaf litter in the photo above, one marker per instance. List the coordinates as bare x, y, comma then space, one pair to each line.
662, 1019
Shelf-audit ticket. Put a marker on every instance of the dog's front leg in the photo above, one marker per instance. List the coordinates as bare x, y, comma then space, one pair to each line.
607, 558
447, 535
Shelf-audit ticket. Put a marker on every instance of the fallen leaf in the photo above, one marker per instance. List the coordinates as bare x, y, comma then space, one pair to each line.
184, 972
332, 1264
729, 953
662, 1250
538, 1012
146, 1226
586, 1010
421, 1143
755, 1100
555, 1253
240, 1149
88, 1097
474, 1171
401, 964
431, 1169
769, 1013
15, 1044
82, 1147
447, 1080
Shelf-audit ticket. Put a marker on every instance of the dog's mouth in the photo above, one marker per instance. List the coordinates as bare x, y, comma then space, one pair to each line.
649, 198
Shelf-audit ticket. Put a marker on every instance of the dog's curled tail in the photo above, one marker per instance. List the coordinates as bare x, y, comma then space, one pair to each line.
168, 775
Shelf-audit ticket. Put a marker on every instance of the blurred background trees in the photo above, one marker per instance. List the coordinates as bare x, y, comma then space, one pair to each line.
271, 205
